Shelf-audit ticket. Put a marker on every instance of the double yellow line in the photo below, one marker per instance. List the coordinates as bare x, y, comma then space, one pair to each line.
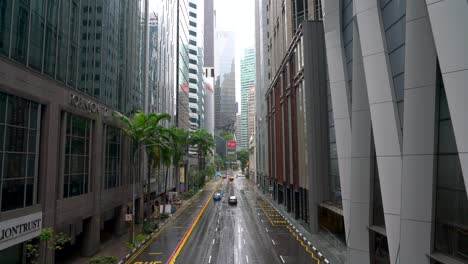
181, 244
137, 253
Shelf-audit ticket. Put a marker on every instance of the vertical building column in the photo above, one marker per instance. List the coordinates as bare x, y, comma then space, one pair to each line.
448, 20
384, 114
340, 101
361, 169
316, 118
49, 172
419, 168
92, 225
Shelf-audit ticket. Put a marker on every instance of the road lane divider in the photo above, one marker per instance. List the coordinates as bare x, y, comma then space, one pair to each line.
137, 251
189, 231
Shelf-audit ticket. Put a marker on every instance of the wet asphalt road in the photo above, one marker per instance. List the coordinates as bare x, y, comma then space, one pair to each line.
250, 232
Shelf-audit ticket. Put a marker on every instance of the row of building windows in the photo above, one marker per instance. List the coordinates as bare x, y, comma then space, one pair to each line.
44, 36
19, 153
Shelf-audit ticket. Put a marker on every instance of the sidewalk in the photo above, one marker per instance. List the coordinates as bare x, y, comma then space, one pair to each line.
332, 248
117, 246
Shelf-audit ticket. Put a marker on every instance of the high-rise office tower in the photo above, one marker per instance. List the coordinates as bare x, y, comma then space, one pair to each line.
184, 54
225, 85
397, 78
247, 80
251, 113
208, 65
65, 66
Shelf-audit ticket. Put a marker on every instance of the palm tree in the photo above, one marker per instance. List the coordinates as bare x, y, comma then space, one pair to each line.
204, 142
145, 132
180, 139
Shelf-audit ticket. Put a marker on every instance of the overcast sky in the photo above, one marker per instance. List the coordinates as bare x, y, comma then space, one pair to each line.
237, 15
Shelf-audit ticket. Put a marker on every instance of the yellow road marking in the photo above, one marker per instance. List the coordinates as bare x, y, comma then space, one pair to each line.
174, 257
129, 261
306, 247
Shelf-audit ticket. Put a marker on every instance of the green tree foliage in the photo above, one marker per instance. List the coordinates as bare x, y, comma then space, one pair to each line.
243, 157
219, 162
226, 135
102, 260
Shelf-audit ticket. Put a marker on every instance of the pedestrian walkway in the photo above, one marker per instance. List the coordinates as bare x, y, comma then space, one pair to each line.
331, 247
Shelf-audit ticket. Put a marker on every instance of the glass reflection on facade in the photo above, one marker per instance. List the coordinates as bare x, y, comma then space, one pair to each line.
113, 165
451, 219
89, 45
77, 154
19, 134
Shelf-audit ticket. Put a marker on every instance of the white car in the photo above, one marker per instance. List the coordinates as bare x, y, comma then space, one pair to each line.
232, 200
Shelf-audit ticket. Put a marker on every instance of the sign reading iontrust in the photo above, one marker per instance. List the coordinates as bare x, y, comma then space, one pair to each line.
18, 230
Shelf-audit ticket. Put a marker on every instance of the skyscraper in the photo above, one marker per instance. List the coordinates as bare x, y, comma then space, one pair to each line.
208, 66
397, 78
247, 80
66, 66
184, 54
251, 113
225, 82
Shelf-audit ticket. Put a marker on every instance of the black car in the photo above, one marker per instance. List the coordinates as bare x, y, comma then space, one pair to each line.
232, 200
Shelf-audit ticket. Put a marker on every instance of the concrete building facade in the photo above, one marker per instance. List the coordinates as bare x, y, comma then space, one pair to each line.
397, 78
65, 66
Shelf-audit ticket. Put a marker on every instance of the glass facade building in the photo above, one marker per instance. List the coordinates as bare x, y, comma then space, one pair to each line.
225, 81
66, 65
247, 80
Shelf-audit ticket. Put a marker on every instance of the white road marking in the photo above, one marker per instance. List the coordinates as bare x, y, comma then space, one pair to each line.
213, 241
247, 258
242, 229
244, 241
261, 220
273, 242
282, 259
266, 229
216, 229
209, 260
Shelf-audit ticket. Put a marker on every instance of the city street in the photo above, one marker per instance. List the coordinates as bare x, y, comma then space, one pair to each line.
251, 232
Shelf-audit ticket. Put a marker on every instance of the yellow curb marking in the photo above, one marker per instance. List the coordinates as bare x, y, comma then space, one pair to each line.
129, 261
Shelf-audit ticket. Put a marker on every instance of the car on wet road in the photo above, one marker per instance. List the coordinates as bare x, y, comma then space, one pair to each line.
217, 196
232, 200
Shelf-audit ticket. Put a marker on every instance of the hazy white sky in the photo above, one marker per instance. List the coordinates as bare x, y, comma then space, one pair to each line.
237, 15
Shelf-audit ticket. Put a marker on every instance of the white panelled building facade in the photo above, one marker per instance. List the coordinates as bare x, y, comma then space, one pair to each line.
398, 79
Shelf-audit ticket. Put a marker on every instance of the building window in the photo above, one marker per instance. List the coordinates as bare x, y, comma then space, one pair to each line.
318, 10
77, 153
192, 14
192, 33
192, 5
19, 138
451, 219
36, 34
193, 71
191, 80
20, 31
5, 19
193, 24
112, 173
193, 52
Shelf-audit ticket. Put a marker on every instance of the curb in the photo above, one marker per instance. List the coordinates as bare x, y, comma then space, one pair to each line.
309, 244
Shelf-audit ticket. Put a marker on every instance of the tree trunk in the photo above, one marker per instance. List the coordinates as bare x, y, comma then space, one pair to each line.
165, 188
148, 190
